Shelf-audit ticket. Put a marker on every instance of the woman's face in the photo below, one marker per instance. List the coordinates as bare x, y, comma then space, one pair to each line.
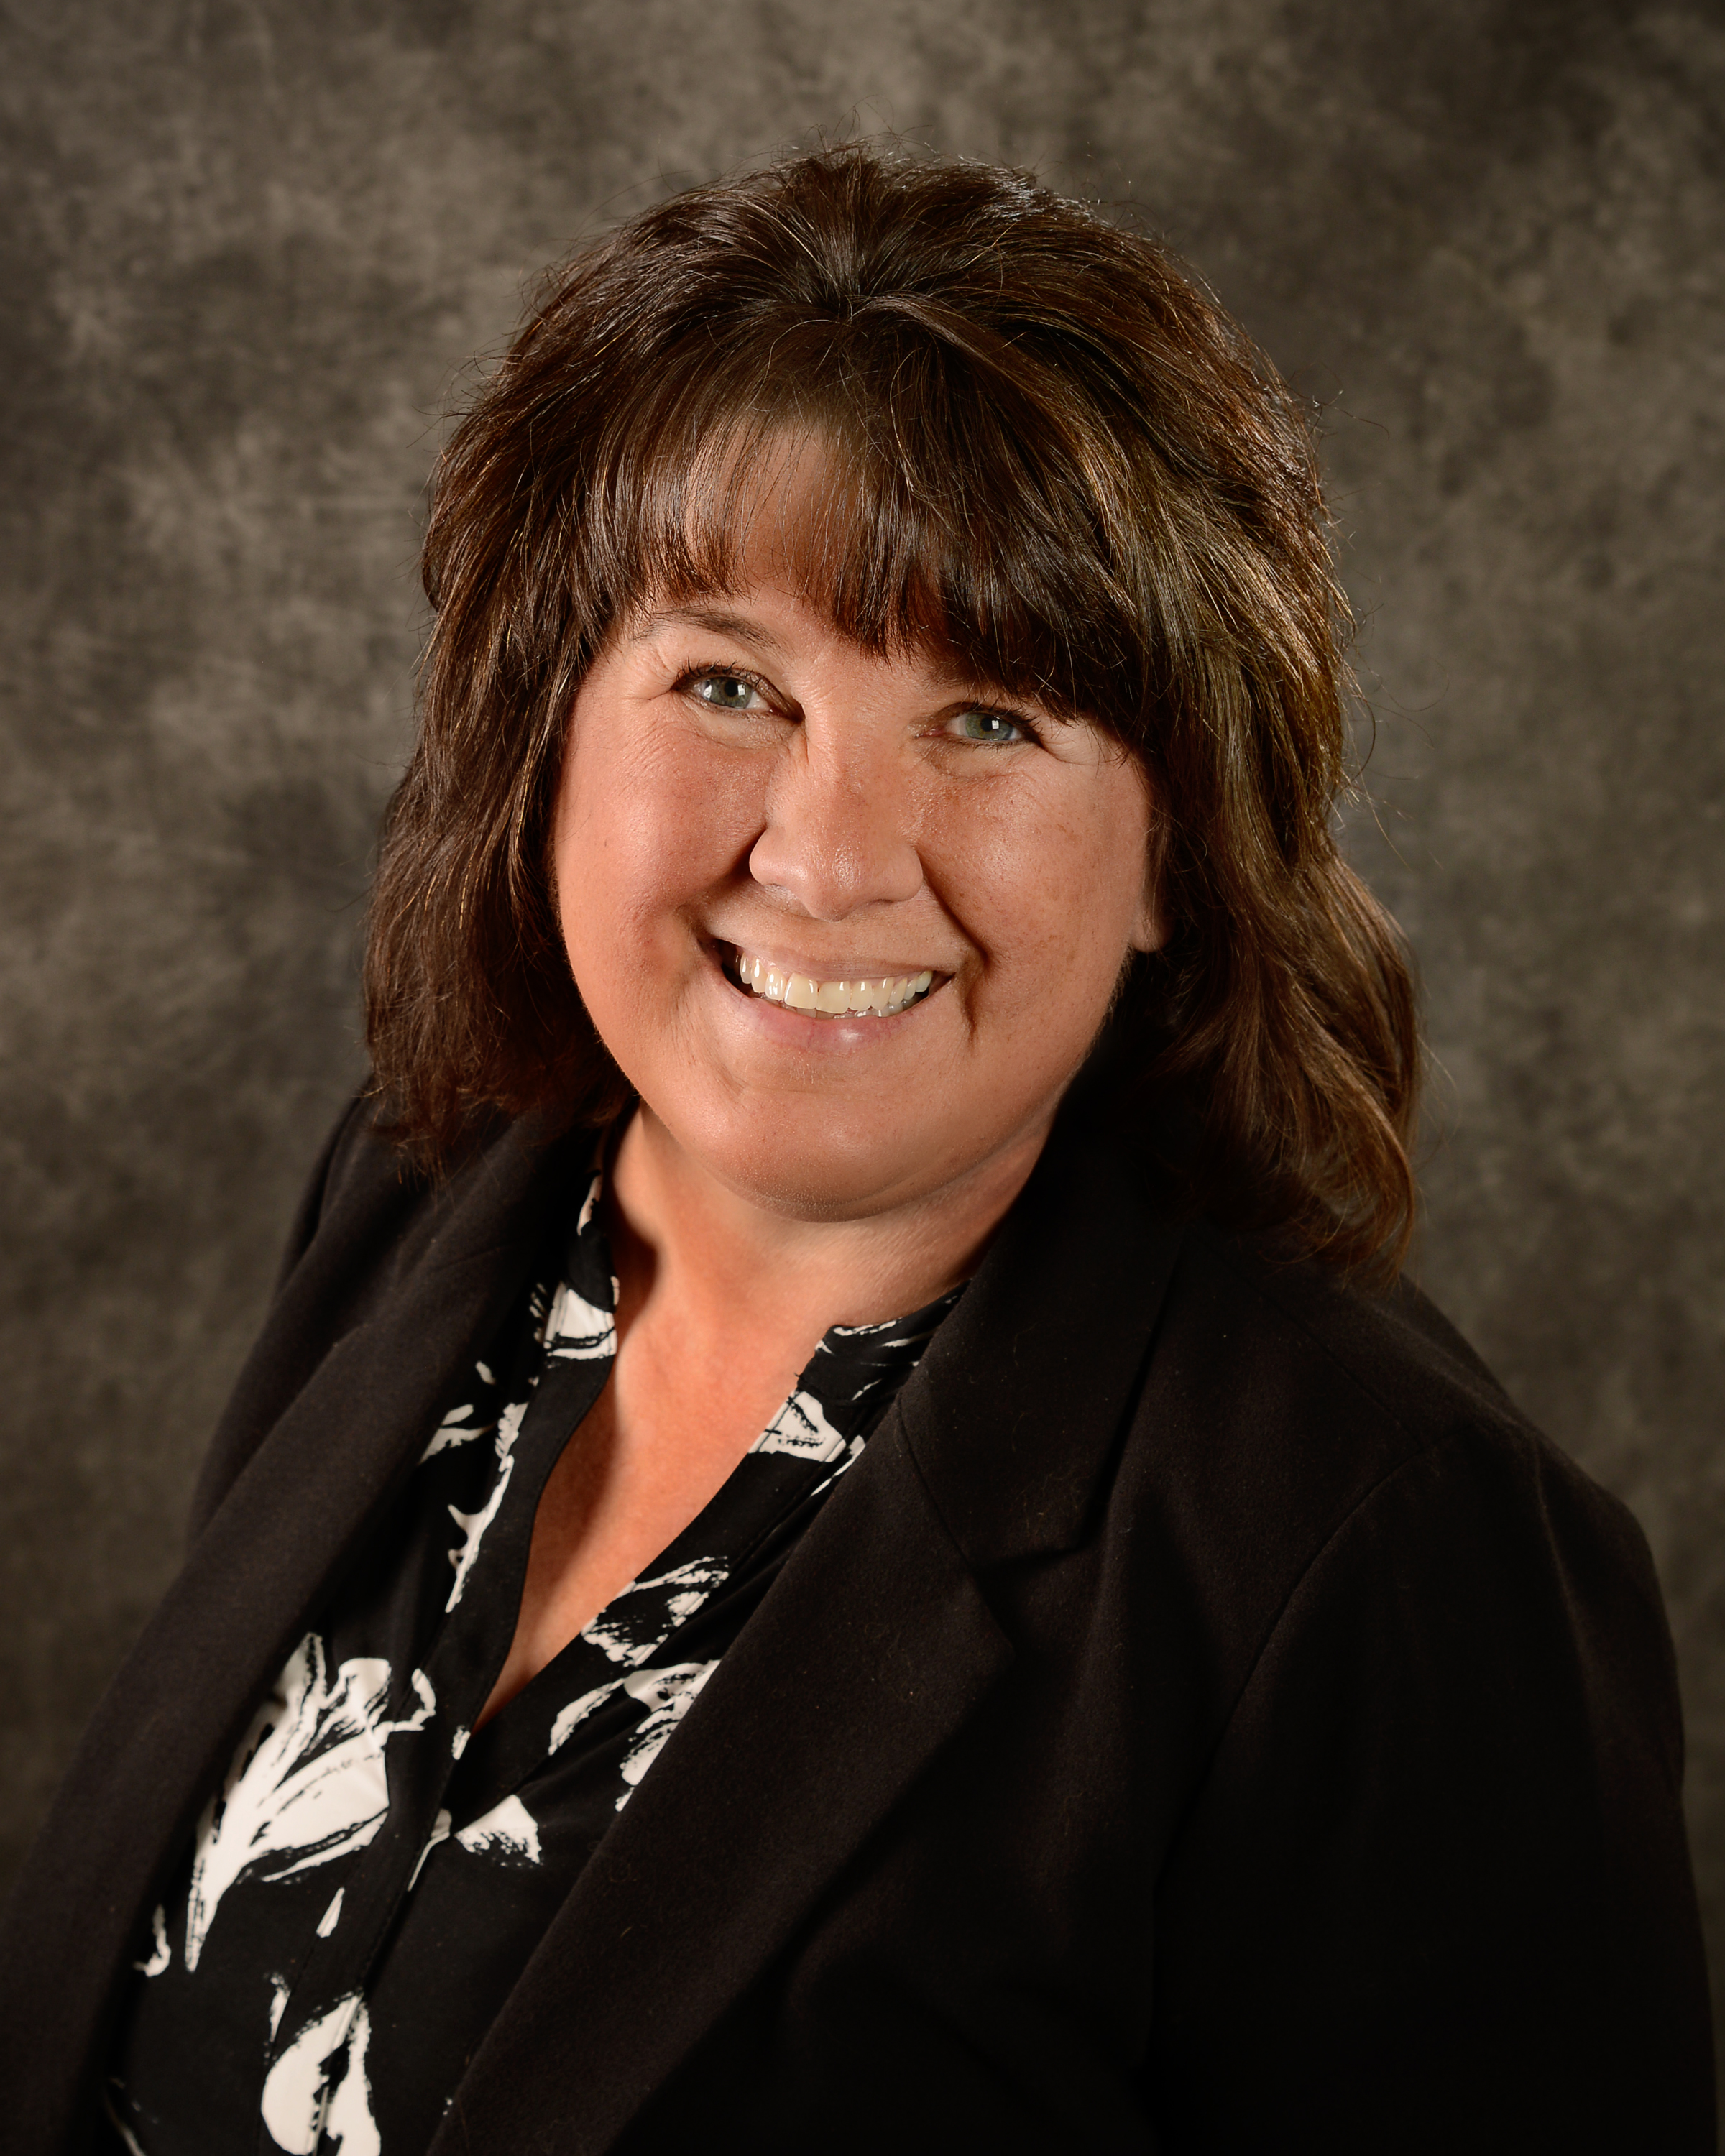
749, 801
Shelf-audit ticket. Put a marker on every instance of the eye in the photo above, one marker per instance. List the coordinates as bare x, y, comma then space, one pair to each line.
722, 691
991, 729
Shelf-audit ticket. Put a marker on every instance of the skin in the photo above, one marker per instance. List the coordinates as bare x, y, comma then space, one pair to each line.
740, 776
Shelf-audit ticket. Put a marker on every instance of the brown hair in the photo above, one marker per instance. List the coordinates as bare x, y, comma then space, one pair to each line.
1057, 459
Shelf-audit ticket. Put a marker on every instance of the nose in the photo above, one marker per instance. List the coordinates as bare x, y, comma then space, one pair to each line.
838, 835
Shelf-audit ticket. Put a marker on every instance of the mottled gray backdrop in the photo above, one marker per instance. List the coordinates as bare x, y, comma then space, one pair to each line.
246, 248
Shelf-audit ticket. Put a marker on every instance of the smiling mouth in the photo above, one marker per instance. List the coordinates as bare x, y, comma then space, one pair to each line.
882, 997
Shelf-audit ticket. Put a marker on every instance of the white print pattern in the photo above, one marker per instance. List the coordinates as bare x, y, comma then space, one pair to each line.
610, 1634
459, 1426
578, 1331
161, 1952
308, 1782
439, 1832
576, 1711
332, 1916
303, 2103
462, 1424
613, 1631
473, 1525
801, 1427
690, 1584
508, 1832
669, 1693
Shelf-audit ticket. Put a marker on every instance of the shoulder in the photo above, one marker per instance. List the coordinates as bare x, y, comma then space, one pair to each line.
1282, 1378
1434, 1749
1328, 1386
1110, 1354
372, 1218
1337, 1479
1394, 1347
374, 1234
1264, 1431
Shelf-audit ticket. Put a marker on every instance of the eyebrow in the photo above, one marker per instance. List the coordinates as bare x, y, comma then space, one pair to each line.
715, 621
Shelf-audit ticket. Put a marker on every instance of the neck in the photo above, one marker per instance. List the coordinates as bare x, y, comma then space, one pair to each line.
681, 1237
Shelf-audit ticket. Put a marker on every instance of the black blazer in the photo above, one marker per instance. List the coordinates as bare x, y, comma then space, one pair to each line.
1208, 1718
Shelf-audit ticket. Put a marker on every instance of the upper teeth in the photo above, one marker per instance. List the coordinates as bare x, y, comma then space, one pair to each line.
879, 998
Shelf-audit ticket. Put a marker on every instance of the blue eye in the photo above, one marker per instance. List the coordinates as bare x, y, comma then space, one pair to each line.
992, 728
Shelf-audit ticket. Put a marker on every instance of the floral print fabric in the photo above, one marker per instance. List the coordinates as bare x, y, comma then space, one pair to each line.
371, 1876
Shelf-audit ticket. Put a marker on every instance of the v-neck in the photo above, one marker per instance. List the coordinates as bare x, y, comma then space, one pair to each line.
300, 1965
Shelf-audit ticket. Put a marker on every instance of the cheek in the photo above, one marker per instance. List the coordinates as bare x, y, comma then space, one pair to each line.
1059, 882
642, 830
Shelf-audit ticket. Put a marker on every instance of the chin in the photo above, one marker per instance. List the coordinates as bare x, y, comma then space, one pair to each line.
810, 1163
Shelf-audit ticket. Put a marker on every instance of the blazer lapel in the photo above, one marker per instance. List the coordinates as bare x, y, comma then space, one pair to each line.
166, 1729
1015, 1417
872, 1648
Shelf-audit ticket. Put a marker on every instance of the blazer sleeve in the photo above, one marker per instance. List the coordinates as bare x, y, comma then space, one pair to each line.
1435, 1894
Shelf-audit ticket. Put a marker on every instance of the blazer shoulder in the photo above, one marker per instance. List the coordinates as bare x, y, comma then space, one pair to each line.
1438, 1706
1391, 1348
1281, 1403
353, 1161
370, 1230
370, 1216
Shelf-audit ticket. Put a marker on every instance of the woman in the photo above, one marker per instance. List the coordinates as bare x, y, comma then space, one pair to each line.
839, 1537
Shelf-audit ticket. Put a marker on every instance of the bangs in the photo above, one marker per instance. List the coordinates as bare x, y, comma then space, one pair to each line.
906, 489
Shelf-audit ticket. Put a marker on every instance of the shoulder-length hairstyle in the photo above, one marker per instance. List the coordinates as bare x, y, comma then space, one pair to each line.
1052, 457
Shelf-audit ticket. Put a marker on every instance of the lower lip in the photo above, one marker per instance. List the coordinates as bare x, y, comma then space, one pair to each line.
804, 1029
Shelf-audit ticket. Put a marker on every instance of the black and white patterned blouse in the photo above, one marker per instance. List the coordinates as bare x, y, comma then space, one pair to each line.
364, 1888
